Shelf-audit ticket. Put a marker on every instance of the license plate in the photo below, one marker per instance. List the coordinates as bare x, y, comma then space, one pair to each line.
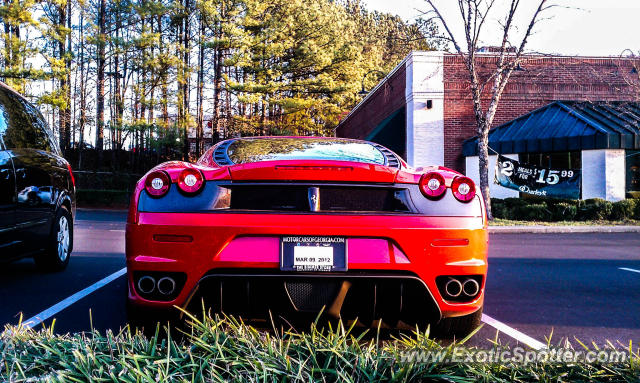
307, 253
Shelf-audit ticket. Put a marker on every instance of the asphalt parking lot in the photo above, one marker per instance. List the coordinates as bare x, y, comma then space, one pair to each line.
584, 286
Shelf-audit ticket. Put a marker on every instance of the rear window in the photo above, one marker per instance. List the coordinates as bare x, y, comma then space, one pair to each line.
22, 126
274, 149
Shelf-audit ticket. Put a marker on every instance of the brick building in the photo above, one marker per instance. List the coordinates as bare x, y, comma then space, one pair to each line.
422, 109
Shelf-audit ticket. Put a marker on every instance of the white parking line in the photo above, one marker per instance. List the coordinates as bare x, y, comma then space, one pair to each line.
53, 310
628, 269
512, 332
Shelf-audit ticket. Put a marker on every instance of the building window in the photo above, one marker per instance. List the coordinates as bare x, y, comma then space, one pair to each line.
633, 170
557, 160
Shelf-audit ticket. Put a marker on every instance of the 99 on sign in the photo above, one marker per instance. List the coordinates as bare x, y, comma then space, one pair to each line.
553, 177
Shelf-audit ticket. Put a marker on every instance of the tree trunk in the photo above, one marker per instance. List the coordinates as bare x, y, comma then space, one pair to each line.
68, 67
83, 96
65, 81
217, 79
165, 85
185, 80
7, 42
483, 163
119, 103
100, 79
200, 127
152, 84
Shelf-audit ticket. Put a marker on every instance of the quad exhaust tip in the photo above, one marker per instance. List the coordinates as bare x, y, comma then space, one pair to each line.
166, 286
146, 284
470, 287
453, 287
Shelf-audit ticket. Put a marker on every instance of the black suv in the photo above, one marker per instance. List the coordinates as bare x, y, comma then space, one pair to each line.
37, 189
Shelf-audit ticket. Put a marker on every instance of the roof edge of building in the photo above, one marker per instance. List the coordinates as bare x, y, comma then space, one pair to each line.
601, 124
378, 86
540, 55
411, 55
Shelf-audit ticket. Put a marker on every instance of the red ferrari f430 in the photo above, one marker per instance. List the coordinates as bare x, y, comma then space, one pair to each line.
296, 226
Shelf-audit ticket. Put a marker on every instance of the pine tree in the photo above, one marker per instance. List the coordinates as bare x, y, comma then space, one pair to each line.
257, 66
17, 16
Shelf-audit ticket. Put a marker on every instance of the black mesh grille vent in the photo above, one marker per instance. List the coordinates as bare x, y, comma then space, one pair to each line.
362, 199
312, 296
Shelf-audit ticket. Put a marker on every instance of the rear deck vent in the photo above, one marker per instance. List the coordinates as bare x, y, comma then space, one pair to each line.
392, 159
220, 154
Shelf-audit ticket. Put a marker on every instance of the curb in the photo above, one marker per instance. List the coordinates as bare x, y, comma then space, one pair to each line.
562, 229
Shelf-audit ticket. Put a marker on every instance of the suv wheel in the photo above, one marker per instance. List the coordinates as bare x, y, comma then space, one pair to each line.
56, 255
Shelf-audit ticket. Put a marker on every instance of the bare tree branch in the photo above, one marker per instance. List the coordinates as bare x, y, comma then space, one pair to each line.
474, 14
446, 27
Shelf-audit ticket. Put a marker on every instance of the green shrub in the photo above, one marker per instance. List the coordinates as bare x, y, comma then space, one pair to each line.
537, 212
563, 211
554, 201
594, 209
551, 209
512, 203
499, 209
623, 209
633, 194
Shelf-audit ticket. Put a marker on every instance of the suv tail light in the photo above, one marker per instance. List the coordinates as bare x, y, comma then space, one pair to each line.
73, 179
432, 185
190, 181
157, 183
463, 189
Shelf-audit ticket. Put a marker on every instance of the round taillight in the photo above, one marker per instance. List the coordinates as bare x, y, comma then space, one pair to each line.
432, 185
190, 180
463, 189
157, 183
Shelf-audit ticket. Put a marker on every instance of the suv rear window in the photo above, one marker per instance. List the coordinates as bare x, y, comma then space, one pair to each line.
274, 149
22, 126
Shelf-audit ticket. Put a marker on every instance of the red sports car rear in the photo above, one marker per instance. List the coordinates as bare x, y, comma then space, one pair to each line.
294, 226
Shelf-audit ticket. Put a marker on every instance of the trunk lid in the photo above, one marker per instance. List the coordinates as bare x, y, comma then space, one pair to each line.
312, 170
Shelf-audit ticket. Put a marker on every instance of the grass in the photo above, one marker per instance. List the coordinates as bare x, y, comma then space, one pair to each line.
220, 350
510, 222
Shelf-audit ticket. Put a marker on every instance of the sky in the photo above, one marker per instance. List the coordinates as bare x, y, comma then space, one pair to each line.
574, 27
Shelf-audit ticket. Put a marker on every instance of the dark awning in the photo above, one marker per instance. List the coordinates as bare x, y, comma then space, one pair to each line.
565, 126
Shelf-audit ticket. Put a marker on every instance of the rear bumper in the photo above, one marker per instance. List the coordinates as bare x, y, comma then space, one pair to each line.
218, 246
398, 299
